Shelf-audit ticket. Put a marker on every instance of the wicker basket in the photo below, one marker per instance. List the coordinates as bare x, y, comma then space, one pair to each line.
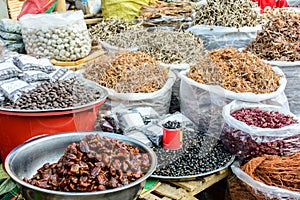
14, 8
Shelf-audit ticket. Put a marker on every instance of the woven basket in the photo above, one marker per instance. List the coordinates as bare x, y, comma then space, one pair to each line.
14, 8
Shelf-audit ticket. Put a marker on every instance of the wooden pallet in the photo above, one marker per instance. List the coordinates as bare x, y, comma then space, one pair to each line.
182, 190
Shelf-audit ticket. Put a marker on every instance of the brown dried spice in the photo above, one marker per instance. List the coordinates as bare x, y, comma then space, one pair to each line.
280, 37
166, 46
235, 71
128, 72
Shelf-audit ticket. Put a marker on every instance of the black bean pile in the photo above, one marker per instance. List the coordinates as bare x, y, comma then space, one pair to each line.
59, 94
199, 154
96, 163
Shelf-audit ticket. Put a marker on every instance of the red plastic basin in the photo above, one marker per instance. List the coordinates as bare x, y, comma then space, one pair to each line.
18, 126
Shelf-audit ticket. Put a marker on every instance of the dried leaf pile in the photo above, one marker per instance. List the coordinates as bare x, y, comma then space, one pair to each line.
280, 37
128, 72
108, 27
178, 9
228, 13
235, 71
166, 46
278, 171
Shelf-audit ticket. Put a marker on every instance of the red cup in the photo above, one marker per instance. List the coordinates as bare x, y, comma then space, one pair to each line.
172, 138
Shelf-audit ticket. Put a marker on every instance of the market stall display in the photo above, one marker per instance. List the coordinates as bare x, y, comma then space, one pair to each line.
51, 149
253, 129
226, 23
66, 38
133, 79
225, 75
281, 181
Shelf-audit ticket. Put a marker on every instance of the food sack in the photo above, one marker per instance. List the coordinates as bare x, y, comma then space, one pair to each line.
254, 129
215, 37
61, 36
158, 100
203, 103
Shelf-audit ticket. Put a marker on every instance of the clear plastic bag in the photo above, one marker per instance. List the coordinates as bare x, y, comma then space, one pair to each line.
158, 100
10, 26
203, 104
250, 141
10, 36
61, 36
8, 70
215, 37
266, 192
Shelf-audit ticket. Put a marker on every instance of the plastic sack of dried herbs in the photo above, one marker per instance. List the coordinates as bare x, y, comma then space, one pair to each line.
10, 26
158, 100
215, 37
203, 103
262, 191
254, 129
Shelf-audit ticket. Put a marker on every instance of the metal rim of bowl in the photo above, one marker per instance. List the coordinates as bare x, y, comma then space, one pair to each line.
89, 83
11, 155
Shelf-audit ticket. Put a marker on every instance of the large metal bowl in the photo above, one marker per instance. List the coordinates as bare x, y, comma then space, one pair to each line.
24, 160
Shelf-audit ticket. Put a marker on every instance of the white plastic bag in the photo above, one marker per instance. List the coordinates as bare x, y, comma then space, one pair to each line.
62, 36
215, 37
269, 192
203, 104
250, 141
158, 100
292, 73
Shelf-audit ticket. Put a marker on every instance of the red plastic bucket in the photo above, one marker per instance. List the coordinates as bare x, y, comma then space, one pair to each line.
16, 127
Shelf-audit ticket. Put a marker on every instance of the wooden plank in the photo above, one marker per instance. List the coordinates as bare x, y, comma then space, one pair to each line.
151, 196
188, 185
188, 197
168, 191
149, 191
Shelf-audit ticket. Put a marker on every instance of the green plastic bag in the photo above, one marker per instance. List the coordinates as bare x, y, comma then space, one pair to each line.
125, 9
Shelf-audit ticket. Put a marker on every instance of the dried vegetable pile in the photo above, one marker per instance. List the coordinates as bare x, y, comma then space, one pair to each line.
235, 71
108, 27
228, 13
128, 72
273, 170
280, 37
166, 46
160, 9
94, 164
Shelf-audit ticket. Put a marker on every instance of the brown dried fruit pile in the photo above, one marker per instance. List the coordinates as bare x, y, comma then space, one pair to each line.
128, 72
96, 163
235, 71
280, 37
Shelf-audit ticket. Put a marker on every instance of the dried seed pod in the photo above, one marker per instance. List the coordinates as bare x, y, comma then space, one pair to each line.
228, 13
280, 37
235, 71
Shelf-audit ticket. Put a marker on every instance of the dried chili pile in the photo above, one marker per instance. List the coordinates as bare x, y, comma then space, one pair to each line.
170, 47
280, 37
128, 72
235, 71
96, 163
278, 171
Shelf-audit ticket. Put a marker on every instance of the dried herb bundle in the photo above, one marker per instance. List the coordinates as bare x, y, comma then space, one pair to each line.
228, 13
280, 37
166, 46
128, 72
235, 71
273, 170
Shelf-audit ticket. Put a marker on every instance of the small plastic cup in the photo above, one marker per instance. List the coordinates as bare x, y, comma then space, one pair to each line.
172, 138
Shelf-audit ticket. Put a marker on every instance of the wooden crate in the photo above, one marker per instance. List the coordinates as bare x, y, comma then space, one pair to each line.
182, 190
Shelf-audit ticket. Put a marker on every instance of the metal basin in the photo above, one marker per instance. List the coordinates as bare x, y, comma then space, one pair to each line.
24, 160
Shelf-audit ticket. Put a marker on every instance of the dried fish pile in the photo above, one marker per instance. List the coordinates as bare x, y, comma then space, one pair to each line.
166, 46
228, 13
128, 72
178, 9
108, 27
235, 71
280, 37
